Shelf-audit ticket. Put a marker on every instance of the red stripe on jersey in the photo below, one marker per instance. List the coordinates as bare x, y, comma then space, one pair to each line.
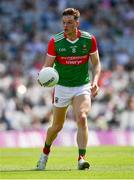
72, 60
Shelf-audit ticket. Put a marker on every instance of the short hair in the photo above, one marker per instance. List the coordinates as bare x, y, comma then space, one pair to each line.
72, 12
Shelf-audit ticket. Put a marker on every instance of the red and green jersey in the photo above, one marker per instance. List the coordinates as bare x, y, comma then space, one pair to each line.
72, 57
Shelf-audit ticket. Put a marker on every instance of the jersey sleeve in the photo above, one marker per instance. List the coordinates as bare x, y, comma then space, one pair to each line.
94, 45
51, 48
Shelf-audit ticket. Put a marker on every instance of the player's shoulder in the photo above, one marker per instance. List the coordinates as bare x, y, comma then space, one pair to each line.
86, 34
58, 36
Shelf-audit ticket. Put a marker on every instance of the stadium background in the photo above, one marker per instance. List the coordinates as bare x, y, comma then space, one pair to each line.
25, 107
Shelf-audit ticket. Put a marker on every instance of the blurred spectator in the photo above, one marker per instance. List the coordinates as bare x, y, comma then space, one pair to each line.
4, 123
126, 117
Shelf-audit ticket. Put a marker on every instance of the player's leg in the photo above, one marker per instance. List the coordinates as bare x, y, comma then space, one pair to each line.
82, 105
59, 114
62, 99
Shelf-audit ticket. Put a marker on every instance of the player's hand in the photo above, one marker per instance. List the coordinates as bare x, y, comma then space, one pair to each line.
94, 89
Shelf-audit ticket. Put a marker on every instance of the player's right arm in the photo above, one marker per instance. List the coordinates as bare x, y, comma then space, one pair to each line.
51, 54
49, 61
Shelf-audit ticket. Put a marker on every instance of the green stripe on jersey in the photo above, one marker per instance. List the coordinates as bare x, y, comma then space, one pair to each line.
86, 35
59, 36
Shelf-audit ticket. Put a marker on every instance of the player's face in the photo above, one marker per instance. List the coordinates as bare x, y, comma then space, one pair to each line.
69, 24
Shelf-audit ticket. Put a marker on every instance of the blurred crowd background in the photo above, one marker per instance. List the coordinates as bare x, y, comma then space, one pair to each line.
25, 29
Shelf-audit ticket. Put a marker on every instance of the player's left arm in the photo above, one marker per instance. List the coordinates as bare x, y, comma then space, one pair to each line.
95, 60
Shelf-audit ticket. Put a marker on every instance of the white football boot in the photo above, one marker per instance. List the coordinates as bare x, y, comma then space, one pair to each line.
41, 165
82, 164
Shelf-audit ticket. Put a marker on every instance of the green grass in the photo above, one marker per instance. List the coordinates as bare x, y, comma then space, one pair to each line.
106, 163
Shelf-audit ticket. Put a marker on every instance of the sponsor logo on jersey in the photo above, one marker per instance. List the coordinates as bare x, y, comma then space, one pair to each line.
73, 60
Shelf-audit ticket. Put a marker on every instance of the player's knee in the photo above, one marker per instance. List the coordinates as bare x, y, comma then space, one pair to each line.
82, 117
57, 128
82, 120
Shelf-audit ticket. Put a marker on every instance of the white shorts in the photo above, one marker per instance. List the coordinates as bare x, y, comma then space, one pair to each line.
63, 95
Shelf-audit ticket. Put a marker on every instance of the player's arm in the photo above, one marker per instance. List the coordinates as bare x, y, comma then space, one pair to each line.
96, 73
49, 61
51, 54
95, 60
50, 57
96, 66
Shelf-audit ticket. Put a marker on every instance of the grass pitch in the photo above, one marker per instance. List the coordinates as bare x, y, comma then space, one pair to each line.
106, 163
